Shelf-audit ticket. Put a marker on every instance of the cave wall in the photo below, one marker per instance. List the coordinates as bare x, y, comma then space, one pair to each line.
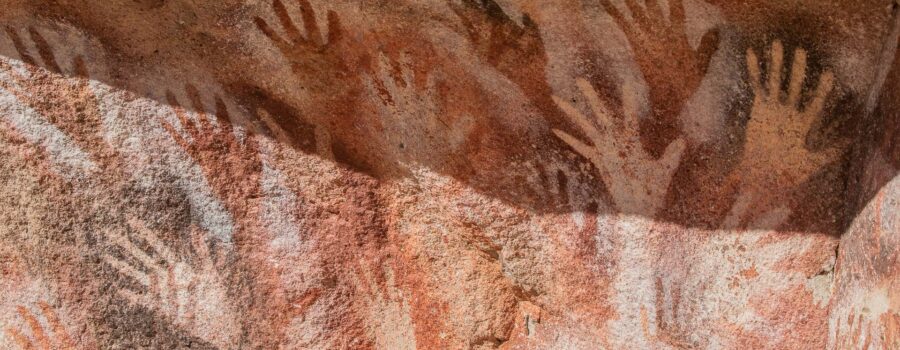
459, 174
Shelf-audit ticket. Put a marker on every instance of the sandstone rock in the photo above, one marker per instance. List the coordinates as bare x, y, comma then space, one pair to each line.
450, 174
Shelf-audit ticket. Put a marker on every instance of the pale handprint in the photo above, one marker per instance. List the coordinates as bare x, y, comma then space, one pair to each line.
637, 183
668, 310
864, 332
309, 56
411, 117
672, 68
59, 338
191, 296
517, 51
35, 156
858, 336
550, 182
384, 307
775, 154
232, 166
376, 289
69, 103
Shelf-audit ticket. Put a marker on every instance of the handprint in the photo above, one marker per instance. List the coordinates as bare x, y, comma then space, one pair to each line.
672, 68
858, 336
191, 296
411, 117
775, 155
376, 288
69, 103
668, 311
309, 56
517, 51
549, 181
58, 339
233, 167
35, 156
864, 332
384, 306
637, 182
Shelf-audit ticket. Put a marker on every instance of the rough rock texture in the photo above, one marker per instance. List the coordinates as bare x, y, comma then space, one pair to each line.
450, 174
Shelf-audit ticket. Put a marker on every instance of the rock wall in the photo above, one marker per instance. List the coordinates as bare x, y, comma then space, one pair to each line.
450, 174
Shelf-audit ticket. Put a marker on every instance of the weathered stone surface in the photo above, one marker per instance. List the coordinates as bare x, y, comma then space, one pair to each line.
459, 174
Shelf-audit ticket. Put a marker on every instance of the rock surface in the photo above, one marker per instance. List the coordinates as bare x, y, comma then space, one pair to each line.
450, 174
